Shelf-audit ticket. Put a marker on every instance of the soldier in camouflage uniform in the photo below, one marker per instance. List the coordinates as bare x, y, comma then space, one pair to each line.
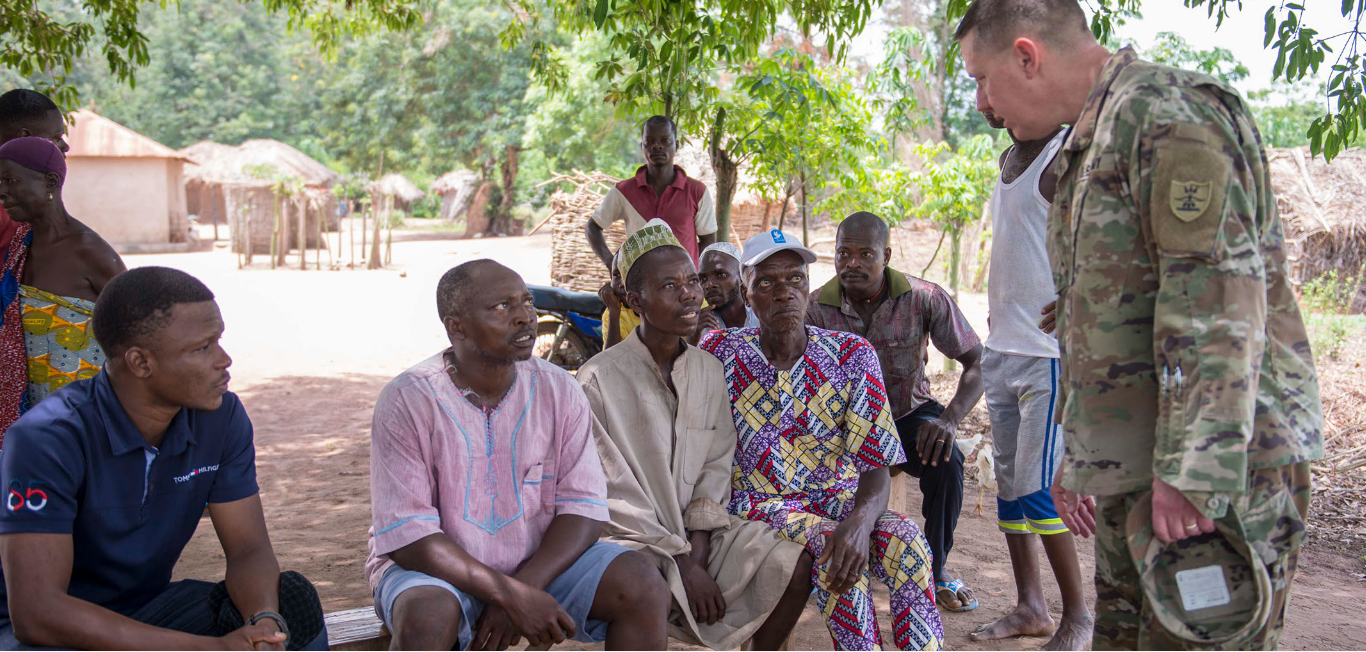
1186, 369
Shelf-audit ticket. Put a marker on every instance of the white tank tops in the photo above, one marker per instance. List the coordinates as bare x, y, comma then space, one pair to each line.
1021, 282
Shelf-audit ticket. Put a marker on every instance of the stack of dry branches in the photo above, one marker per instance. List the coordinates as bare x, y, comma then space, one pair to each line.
573, 265
1338, 512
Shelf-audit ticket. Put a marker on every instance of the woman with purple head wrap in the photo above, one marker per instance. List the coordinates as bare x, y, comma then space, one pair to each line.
54, 269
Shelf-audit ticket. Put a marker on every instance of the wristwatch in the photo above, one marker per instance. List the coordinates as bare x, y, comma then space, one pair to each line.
271, 615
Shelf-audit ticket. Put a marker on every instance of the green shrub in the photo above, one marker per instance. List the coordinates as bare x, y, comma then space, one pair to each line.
1327, 303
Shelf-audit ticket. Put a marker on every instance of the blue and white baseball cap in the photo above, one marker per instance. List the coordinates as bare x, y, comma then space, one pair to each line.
770, 242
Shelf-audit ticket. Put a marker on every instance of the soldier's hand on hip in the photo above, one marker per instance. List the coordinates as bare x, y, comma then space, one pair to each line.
1174, 517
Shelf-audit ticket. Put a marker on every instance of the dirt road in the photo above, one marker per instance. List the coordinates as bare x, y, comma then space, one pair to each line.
313, 349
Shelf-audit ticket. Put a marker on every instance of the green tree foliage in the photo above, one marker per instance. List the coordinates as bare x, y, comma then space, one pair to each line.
48, 39
666, 56
812, 126
1170, 49
223, 71
576, 128
1285, 112
441, 95
954, 190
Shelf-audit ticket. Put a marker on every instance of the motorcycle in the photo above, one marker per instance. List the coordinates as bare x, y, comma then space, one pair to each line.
568, 328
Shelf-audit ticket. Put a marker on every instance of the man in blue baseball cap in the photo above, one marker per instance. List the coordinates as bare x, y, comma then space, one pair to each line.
816, 438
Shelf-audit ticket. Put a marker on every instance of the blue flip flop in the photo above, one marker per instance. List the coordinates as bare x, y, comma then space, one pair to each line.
955, 586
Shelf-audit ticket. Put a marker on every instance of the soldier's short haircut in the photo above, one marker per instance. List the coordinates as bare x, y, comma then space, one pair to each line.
865, 222
998, 23
22, 106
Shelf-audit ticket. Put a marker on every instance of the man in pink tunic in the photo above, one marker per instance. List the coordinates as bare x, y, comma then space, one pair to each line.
488, 497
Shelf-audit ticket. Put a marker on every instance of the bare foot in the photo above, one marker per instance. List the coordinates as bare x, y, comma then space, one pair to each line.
1072, 634
1022, 621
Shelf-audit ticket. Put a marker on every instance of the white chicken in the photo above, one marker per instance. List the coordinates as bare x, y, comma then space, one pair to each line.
966, 446
986, 474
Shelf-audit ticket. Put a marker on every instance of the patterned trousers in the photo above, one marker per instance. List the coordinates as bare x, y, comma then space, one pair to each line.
1272, 512
899, 557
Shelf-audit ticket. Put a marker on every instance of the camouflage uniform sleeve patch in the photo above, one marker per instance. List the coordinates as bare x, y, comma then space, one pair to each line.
1190, 181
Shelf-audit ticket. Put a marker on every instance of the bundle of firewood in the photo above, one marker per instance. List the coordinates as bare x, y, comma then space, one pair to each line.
573, 265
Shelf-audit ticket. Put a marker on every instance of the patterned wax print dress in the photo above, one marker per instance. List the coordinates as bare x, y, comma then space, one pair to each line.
58, 342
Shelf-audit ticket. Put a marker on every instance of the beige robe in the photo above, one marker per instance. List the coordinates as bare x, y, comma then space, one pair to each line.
668, 465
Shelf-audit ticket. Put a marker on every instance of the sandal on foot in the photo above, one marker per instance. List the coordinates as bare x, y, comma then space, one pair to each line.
953, 588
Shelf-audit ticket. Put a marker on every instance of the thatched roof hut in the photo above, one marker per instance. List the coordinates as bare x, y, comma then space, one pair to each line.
457, 190
201, 198
1321, 206
397, 186
238, 185
251, 163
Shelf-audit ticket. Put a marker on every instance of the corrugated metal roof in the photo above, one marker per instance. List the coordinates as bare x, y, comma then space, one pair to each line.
95, 135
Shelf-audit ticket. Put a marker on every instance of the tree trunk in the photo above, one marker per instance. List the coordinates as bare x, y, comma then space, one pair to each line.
375, 260
806, 209
477, 218
788, 191
955, 254
765, 224
213, 209
300, 211
727, 177
274, 236
503, 225
389, 230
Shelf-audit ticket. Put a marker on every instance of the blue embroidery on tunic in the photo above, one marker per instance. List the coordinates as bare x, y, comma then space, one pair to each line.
490, 490
410, 518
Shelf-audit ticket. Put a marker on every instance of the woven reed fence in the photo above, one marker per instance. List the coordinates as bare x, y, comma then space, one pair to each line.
573, 265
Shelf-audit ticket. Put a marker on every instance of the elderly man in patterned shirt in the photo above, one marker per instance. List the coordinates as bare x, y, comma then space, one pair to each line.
815, 440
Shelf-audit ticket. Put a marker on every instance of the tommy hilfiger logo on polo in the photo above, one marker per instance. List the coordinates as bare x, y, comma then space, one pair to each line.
189, 476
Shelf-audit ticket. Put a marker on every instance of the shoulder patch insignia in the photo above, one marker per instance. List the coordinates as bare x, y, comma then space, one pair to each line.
1189, 199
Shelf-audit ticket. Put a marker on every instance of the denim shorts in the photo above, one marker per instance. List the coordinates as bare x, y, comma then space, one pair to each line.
574, 589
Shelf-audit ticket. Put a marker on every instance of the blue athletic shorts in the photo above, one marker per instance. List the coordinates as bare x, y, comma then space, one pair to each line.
574, 589
1032, 513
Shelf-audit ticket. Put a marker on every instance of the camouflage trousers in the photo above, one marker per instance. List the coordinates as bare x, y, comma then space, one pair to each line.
1272, 513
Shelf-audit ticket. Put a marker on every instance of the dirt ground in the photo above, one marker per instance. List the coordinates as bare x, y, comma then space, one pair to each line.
313, 349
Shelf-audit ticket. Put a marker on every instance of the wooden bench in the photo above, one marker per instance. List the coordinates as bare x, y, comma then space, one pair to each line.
356, 629
361, 629
899, 494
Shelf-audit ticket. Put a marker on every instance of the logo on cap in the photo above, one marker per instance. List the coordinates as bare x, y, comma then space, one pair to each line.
777, 237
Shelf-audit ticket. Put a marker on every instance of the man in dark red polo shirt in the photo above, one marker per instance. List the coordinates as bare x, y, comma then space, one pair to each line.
659, 189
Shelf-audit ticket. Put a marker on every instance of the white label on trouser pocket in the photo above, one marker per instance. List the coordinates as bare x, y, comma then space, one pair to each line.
1202, 588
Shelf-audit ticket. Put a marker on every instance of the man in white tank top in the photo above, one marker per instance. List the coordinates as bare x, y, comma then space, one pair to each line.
1020, 373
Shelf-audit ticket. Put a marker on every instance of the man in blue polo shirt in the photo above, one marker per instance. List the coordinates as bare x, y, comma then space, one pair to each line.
107, 481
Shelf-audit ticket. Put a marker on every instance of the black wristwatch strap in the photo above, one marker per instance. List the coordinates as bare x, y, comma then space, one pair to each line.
279, 620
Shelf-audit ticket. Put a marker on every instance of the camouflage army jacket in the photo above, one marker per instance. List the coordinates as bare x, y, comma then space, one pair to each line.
1183, 350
